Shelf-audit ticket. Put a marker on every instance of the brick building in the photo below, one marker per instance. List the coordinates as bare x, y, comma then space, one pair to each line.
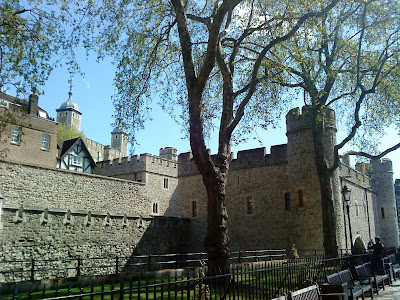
30, 136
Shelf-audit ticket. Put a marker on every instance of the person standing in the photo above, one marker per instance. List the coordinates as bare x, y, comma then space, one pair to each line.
377, 254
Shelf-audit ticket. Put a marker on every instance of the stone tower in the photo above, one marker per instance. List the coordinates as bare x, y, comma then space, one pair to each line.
68, 114
385, 203
119, 140
168, 153
304, 219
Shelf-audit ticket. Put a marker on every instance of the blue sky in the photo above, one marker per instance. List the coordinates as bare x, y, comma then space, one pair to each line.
93, 94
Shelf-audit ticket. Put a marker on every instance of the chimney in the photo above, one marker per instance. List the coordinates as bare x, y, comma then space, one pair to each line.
33, 105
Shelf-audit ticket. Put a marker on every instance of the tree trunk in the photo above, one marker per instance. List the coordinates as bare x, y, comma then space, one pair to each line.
325, 181
217, 240
214, 177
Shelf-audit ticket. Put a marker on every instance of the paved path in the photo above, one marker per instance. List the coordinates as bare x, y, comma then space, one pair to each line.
390, 292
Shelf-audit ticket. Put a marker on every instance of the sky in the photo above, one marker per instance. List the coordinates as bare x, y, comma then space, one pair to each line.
92, 93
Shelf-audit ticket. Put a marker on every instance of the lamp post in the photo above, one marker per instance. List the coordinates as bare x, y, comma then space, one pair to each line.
346, 197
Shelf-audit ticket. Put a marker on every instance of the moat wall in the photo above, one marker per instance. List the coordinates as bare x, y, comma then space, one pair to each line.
48, 214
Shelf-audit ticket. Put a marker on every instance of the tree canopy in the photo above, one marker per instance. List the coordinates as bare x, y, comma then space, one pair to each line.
349, 60
35, 38
66, 132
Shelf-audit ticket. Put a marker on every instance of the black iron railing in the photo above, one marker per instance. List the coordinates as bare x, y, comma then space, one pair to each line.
265, 280
38, 269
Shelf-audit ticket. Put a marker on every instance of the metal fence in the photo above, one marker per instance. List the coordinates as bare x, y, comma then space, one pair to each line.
264, 280
38, 269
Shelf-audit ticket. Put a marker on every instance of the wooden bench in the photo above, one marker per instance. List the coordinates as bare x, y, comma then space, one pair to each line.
367, 276
394, 266
389, 269
343, 282
313, 293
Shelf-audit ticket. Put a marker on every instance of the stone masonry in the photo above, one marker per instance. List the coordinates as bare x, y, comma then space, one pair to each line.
283, 191
48, 213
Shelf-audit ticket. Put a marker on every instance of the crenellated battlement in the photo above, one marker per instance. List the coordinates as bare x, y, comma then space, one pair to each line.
383, 165
137, 163
358, 176
245, 159
296, 120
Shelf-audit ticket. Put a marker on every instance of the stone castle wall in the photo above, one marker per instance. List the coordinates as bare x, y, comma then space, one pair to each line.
99, 152
120, 211
386, 213
362, 208
259, 230
138, 163
284, 189
158, 174
245, 159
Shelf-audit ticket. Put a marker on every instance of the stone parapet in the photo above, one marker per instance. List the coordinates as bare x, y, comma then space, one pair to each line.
296, 120
245, 159
135, 164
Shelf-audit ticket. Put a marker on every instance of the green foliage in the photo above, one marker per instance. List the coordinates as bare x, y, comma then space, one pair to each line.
66, 132
35, 37
143, 39
349, 60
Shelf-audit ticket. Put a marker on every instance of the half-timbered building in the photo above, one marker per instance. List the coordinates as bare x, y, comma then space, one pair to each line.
74, 156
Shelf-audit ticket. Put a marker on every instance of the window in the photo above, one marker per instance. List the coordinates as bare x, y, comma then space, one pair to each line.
194, 209
382, 212
45, 142
4, 103
300, 198
287, 201
165, 183
249, 205
155, 208
76, 160
16, 136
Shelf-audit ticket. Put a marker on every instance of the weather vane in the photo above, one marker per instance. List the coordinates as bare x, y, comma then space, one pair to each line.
71, 81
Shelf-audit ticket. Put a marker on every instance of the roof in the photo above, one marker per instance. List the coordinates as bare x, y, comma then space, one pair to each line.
18, 102
69, 104
118, 129
65, 146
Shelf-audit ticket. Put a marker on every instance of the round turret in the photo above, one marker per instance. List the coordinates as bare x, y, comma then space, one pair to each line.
168, 153
385, 202
68, 114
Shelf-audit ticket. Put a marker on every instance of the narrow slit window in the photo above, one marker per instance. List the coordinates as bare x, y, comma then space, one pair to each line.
287, 201
155, 208
250, 205
300, 197
194, 209
165, 183
382, 212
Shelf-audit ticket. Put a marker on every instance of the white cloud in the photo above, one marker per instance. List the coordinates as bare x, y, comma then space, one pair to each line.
87, 83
